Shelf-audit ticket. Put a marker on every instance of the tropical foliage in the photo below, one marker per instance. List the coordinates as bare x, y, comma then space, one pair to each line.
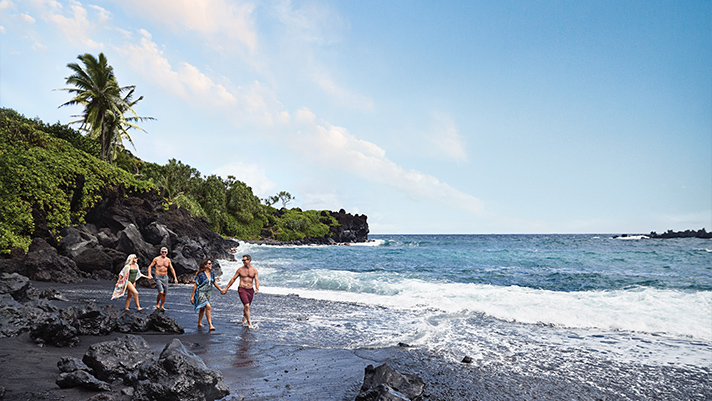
95, 87
51, 176
45, 174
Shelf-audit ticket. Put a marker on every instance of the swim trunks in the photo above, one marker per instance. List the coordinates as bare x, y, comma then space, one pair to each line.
161, 283
246, 294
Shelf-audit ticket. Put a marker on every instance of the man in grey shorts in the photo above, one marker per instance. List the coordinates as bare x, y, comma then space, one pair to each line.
162, 264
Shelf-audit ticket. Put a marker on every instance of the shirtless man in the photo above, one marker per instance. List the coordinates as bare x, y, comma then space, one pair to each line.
248, 287
162, 264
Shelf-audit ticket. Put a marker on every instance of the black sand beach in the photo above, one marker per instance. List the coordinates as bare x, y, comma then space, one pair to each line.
256, 365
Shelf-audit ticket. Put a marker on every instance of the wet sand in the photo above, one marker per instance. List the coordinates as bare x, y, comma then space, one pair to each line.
257, 365
251, 364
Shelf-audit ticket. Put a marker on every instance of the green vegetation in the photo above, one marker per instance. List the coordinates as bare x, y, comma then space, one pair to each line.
95, 87
44, 173
231, 207
51, 174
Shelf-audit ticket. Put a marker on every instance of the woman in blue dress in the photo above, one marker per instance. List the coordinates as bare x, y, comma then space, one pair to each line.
204, 281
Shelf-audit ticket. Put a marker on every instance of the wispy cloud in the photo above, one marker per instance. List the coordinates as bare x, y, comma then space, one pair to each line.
26, 18
75, 23
223, 19
318, 141
308, 28
445, 139
336, 147
341, 94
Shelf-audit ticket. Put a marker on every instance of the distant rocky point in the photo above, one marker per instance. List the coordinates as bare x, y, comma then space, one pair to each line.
702, 233
682, 234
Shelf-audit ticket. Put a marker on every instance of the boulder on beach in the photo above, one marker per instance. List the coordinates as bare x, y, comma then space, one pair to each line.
114, 360
179, 375
385, 384
81, 378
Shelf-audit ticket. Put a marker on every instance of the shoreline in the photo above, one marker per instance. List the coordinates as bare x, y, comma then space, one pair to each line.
259, 365
252, 365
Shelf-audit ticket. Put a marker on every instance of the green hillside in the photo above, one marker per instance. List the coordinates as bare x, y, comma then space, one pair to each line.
51, 176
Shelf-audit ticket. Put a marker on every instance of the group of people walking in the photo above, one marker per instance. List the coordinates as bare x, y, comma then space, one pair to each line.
248, 285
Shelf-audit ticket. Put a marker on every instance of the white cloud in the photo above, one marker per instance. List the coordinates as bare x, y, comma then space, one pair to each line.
147, 60
254, 103
5, 4
27, 18
336, 147
78, 28
225, 19
38, 46
252, 175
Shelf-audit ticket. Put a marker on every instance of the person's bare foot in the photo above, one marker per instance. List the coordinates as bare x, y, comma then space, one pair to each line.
126, 308
139, 309
200, 325
212, 328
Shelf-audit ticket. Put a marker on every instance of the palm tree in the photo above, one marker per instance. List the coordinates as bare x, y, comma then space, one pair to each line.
95, 87
117, 128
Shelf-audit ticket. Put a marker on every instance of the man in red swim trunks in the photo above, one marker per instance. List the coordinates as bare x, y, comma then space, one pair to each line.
248, 287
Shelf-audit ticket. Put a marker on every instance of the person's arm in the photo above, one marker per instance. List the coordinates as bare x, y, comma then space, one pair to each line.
153, 263
257, 282
170, 265
215, 283
192, 296
232, 280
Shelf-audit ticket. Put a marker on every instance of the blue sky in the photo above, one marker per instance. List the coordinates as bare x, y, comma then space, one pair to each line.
429, 117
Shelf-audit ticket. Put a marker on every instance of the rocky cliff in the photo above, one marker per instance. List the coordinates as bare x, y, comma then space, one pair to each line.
140, 223
119, 225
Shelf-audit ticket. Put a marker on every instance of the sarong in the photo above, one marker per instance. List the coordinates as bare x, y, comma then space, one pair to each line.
122, 282
202, 293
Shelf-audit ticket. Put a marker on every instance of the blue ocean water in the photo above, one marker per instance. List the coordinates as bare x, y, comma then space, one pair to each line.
489, 296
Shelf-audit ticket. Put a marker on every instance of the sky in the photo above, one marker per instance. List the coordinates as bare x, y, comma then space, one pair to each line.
456, 117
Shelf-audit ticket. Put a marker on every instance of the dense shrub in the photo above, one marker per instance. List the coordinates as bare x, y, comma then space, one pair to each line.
42, 173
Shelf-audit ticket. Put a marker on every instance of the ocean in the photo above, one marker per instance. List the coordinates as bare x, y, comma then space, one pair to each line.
494, 298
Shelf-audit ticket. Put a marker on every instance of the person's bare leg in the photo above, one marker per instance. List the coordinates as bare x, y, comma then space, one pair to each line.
208, 315
158, 300
128, 299
163, 300
138, 306
246, 315
200, 317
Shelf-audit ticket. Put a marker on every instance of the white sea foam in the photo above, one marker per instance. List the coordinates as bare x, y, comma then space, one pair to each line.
644, 310
373, 242
382, 307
